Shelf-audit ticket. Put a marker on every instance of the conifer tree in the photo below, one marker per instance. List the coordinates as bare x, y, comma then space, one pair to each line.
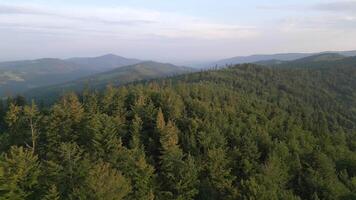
135, 132
63, 123
142, 173
73, 170
219, 175
106, 183
13, 121
178, 177
19, 174
52, 194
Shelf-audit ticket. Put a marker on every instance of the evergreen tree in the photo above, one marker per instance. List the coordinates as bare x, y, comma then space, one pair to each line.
178, 177
106, 183
19, 174
63, 123
73, 170
52, 194
220, 180
15, 125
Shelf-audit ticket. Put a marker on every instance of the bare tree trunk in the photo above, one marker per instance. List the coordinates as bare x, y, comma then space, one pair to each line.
33, 136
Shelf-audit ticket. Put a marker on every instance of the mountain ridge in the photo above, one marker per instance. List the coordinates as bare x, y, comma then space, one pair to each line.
19, 76
138, 72
279, 56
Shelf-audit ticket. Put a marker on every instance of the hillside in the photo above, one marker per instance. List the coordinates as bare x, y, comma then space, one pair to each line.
19, 76
243, 132
321, 57
137, 72
314, 59
104, 63
275, 57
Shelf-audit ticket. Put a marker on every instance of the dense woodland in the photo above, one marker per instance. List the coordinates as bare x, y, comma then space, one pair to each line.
245, 132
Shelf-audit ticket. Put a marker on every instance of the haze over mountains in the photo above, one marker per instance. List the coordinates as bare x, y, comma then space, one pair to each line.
39, 76
276, 57
118, 76
19, 76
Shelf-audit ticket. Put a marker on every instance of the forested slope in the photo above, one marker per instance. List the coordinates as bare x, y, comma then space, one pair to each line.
244, 132
17, 77
119, 76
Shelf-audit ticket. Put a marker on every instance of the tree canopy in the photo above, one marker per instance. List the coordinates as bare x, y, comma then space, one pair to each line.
243, 132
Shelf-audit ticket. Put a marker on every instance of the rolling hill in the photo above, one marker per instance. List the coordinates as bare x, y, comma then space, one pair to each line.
274, 57
137, 72
323, 57
19, 76
103, 63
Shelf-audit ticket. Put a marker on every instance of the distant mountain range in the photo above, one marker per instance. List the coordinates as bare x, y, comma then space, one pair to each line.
19, 76
273, 58
103, 63
310, 59
51, 75
137, 72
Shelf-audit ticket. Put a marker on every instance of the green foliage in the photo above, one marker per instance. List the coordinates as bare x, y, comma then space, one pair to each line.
52, 194
106, 183
19, 174
243, 132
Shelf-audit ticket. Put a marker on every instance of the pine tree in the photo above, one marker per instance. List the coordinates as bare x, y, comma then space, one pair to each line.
14, 123
160, 121
2, 115
106, 183
91, 102
73, 170
140, 171
219, 175
19, 174
135, 132
178, 177
63, 123
105, 140
52, 194
107, 101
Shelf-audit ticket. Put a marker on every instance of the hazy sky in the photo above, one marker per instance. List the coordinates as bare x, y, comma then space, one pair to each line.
173, 30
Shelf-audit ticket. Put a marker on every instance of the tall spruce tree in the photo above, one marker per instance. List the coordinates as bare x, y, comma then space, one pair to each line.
19, 174
178, 176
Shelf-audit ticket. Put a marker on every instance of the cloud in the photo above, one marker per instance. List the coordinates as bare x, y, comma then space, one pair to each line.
7, 9
119, 21
331, 6
281, 7
340, 6
86, 16
325, 23
340, 15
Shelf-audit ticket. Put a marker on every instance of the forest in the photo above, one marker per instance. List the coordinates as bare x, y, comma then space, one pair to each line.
243, 132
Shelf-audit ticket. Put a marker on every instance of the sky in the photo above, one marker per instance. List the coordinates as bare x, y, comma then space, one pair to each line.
178, 31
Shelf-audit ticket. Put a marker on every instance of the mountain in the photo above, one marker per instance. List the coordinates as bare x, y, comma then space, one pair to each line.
270, 62
273, 57
323, 57
256, 58
104, 63
19, 76
137, 72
